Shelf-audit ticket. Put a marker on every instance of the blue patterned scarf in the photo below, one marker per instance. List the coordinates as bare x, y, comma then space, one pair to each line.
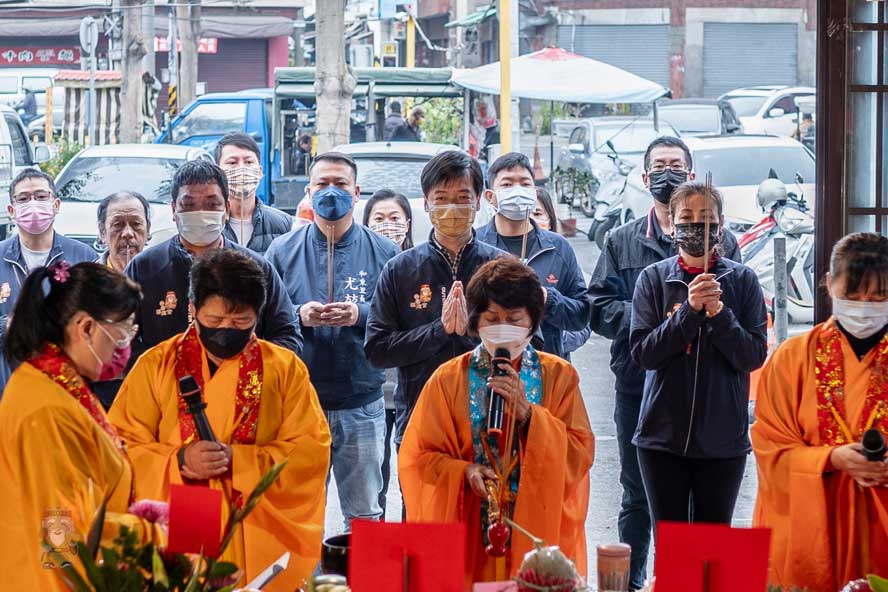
479, 370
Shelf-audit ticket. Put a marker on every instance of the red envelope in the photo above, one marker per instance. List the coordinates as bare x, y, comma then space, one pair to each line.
435, 557
732, 559
195, 520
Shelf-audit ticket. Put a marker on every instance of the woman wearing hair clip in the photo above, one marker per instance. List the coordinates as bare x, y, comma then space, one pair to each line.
699, 327
60, 458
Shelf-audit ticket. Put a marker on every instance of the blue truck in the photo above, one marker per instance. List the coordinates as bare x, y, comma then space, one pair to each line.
276, 117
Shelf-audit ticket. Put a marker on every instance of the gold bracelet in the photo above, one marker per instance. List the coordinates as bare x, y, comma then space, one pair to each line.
721, 306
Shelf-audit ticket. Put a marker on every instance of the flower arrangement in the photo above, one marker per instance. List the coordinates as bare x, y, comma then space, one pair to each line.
129, 566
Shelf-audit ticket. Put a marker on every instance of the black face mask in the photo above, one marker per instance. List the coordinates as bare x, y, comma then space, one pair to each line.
664, 183
224, 342
691, 237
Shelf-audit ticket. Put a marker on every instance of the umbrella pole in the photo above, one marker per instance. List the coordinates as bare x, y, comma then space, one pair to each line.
551, 139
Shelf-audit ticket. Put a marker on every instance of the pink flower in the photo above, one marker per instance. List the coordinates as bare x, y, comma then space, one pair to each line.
152, 511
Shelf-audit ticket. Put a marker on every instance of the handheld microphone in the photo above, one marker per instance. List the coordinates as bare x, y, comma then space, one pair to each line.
497, 410
873, 445
189, 390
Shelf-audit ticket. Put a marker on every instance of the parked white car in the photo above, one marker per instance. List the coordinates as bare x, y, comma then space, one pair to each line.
768, 109
738, 164
96, 172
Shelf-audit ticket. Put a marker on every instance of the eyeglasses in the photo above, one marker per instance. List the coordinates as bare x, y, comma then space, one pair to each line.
24, 197
658, 167
124, 341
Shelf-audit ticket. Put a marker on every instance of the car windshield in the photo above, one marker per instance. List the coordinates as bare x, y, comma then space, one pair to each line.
626, 137
746, 106
94, 178
693, 119
745, 166
399, 174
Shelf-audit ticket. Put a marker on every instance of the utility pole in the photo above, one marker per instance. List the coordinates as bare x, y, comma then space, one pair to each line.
334, 80
505, 50
148, 63
189, 33
173, 66
411, 38
133, 50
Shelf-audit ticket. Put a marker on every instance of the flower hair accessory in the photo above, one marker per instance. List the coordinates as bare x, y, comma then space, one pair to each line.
60, 271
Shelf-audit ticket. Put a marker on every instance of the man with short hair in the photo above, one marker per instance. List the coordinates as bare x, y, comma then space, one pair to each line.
200, 204
124, 220
628, 250
333, 324
260, 406
418, 316
393, 121
512, 193
410, 130
252, 224
33, 206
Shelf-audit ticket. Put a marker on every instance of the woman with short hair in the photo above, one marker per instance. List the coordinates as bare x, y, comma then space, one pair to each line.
450, 463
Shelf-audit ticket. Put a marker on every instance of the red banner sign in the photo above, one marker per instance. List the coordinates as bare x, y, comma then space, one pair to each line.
204, 45
39, 56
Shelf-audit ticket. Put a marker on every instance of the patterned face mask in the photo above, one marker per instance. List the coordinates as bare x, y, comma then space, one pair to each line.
691, 237
243, 181
395, 230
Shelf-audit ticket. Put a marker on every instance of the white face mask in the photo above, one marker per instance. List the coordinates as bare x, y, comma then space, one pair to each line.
511, 337
515, 202
200, 228
860, 319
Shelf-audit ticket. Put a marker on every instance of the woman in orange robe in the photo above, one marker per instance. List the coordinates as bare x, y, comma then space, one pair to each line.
60, 458
826, 504
445, 458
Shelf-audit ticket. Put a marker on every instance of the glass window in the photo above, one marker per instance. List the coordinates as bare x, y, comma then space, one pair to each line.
861, 224
861, 151
863, 49
36, 83
743, 166
746, 106
787, 103
630, 138
211, 119
864, 11
21, 153
92, 179
693, 119
383, 172
578, 136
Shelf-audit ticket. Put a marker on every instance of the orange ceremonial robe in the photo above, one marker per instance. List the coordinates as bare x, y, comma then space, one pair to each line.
826, 530
556, 455
54, 456
291, 427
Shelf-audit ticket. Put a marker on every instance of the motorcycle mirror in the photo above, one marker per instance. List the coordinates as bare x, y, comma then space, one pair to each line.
611, 146
799, 179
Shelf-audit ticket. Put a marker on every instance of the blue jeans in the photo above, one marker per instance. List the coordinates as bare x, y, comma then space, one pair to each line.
356, 459
634, 522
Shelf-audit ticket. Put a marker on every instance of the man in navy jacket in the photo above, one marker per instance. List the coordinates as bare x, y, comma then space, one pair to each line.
418, 317
513, 194
349, 388
33, 205
199, 192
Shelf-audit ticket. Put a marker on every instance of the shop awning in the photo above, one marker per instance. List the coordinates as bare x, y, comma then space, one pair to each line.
553, 74
387, 82
476, 18
231, 26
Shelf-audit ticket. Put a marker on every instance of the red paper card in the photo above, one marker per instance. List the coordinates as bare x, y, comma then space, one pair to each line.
195, 520
737, 558
436, 557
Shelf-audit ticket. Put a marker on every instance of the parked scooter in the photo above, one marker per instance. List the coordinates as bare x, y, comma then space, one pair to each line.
788, 216
607, 208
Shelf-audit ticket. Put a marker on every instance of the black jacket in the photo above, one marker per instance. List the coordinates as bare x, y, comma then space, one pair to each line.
404, 329
392, 123
406, 133
696, 389
163, 272
628, 250
340, 373
268, 224
555, 263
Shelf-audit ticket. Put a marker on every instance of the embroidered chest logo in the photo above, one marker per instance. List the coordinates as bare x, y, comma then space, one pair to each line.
59, 537
421, 300
552, 279
167, 305
356, 288
5, 292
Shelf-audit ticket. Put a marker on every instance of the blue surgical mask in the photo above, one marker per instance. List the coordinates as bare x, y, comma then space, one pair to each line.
332, 203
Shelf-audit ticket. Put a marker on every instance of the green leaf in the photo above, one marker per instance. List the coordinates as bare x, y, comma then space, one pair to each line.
223, 569
72, 578
93, 573
238, 516
158, 571
95, 530
194, 581
877, 584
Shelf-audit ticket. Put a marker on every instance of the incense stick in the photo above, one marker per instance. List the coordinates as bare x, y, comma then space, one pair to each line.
706, 223
330, 245
524, 236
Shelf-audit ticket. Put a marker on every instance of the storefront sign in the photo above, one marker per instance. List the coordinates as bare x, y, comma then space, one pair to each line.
39, 56
205, 45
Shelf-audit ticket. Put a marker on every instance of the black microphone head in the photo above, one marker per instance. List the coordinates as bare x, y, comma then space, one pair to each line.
502, 352
501, 358
189, 390
873, 444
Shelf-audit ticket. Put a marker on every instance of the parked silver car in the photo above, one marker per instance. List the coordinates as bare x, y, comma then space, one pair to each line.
98, 171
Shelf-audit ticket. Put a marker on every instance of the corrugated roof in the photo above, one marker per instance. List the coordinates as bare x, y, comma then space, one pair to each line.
83, 75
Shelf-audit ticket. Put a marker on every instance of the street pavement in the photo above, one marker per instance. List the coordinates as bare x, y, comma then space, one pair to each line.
597, 386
